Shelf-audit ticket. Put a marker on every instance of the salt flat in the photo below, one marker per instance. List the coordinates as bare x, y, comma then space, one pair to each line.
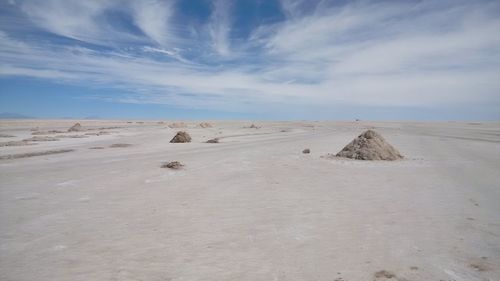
251, 207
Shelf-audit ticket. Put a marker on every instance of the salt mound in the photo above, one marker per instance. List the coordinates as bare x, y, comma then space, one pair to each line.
181, 137
205, 125
178, 125
370, 146
254, 127
76, 128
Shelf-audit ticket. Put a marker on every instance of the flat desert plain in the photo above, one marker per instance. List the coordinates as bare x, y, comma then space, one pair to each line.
251, 207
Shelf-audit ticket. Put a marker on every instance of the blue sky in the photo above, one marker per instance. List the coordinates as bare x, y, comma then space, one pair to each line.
243, 59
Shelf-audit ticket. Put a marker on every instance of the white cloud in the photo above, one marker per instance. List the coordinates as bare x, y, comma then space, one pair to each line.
365, 53
153, 18
77, 20
87, 20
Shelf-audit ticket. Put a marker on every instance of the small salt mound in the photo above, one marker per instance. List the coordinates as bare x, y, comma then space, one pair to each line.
370, 146
76, 128
181, 137
178, 125
205, 125
253, 126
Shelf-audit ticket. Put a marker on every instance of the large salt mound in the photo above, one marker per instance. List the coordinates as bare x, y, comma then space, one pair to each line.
181, 137
370, 146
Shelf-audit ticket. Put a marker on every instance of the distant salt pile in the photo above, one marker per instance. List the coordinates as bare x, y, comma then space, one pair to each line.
253, 126
370, 146
181, 137
76, 128
205, 125
178, 125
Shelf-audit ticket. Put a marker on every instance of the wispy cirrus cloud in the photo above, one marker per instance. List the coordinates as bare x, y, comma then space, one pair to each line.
365, 53
220, 26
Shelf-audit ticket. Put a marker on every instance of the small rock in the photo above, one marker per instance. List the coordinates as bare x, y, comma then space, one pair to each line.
173, 165
216, 140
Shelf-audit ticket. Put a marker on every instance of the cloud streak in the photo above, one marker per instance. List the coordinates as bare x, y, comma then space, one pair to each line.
220, 27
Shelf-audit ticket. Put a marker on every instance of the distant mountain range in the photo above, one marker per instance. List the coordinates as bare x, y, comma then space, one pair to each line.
10, 115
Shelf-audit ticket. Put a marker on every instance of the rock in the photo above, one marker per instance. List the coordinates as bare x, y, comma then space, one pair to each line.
173, 165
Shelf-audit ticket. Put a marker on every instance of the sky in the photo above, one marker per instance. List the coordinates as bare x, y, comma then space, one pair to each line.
251, 59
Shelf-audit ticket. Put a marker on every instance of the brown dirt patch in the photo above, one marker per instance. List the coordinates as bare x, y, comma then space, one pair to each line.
50, 132
40, 138
16, 143
115, 145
